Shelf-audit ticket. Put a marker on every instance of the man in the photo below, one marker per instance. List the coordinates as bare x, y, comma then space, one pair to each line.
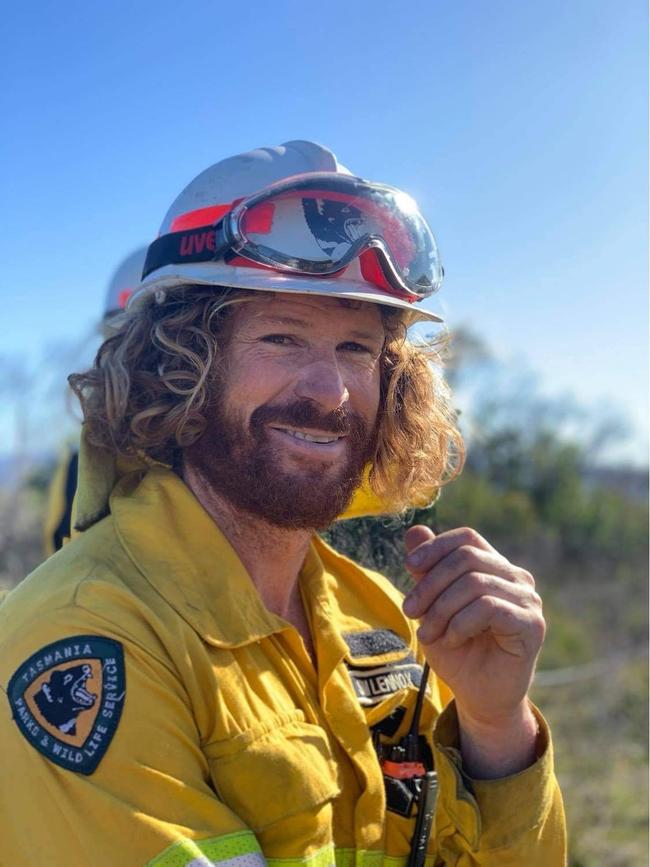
198, 679
56, 530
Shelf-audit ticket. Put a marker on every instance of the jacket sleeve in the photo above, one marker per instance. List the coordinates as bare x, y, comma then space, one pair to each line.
103, 764
510, 821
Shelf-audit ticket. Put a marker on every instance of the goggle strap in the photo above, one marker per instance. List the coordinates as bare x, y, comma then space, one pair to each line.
204, 244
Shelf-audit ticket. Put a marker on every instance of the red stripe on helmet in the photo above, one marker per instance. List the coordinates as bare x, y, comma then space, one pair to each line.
123, 297
198, 218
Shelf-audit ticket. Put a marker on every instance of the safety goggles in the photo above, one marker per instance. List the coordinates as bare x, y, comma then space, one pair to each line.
316, 224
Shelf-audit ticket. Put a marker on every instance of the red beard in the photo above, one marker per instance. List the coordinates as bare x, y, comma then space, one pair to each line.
241, 464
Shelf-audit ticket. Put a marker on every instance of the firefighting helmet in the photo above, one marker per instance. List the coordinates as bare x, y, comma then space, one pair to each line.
123, 283
292, 219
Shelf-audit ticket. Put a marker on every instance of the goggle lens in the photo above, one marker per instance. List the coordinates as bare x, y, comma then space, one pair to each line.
302, 226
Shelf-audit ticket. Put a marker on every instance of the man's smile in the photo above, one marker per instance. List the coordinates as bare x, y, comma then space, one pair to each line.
312, 441
310, 436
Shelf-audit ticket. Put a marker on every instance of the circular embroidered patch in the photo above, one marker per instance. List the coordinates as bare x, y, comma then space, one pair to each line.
67, 699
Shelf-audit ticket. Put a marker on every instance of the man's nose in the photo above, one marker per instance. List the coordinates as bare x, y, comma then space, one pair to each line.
321, 381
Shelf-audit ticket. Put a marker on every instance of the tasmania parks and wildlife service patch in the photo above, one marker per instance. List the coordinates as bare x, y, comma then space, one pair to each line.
67, 699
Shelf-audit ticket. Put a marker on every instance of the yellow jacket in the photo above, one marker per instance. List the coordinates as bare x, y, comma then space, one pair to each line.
156, 713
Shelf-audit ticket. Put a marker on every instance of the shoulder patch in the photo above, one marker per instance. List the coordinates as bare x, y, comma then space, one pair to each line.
67, 699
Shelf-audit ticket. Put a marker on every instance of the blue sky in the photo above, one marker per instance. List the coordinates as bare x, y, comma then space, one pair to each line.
520, 128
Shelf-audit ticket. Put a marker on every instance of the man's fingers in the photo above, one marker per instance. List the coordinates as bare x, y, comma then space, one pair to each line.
463, 592
416, 536
449, 569
517, 630
430, 549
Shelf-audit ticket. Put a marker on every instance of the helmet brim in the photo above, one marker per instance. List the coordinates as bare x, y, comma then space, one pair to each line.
345, 285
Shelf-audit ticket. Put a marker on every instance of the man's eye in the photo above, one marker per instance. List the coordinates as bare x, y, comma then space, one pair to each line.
279, 339
351, 346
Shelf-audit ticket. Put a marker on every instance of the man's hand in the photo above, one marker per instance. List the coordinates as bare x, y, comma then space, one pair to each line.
481, 629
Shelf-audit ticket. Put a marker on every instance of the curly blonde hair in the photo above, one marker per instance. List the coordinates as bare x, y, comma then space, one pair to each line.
153, 381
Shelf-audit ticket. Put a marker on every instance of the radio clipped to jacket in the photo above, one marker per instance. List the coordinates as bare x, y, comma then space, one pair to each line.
409, 778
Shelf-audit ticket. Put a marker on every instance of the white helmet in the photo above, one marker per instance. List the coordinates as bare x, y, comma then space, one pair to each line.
123, 283
212, 234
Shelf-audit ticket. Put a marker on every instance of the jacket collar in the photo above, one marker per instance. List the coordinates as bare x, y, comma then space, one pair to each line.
183, 554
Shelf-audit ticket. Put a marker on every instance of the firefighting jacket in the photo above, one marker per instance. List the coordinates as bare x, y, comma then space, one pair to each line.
156, 713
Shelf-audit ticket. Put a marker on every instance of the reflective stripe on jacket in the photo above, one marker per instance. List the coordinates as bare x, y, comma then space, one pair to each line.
220, 743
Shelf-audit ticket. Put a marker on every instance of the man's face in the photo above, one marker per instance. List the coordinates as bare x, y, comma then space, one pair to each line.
294, 422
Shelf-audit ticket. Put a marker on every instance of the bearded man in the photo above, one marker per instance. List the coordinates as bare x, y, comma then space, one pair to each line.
234, 691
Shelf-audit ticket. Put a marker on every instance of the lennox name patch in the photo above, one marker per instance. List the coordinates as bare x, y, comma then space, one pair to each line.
67, 699
372, 685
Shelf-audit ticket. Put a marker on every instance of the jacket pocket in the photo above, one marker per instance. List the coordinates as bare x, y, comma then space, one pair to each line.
274, 770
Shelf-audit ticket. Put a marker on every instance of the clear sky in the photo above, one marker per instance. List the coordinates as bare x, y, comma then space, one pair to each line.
521, 128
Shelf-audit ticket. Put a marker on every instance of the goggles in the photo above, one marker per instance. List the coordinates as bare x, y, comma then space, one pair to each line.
316, 224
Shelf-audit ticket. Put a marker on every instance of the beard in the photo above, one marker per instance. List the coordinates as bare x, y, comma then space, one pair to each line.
243, 465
